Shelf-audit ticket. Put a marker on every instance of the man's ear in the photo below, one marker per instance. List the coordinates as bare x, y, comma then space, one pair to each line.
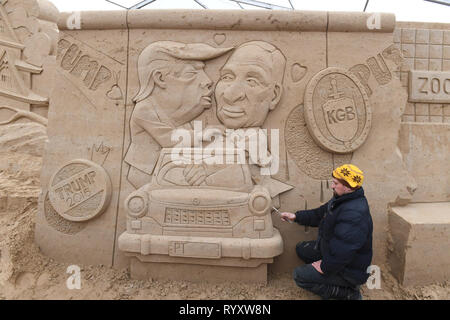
348, 190
159, 79
277, 92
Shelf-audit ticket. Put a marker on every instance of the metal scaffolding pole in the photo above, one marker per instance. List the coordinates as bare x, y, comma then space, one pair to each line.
262, 4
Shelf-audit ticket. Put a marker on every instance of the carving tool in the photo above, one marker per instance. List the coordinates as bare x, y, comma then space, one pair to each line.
279, 214
306, 208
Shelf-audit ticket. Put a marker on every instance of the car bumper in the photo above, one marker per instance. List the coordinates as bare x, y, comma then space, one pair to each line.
202, 247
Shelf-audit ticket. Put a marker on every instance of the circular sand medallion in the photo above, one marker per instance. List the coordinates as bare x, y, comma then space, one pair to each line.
337, 110
80, 190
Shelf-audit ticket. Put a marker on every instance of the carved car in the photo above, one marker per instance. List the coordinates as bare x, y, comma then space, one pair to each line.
224, 216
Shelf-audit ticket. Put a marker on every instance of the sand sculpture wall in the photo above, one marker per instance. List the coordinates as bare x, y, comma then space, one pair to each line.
313, 89
419, 232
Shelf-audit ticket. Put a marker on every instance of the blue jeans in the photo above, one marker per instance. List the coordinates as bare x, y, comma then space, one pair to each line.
326, 286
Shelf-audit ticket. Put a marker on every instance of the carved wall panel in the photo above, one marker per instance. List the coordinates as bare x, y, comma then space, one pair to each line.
85, 98
158, 106
425, 50
337, 111
425, 74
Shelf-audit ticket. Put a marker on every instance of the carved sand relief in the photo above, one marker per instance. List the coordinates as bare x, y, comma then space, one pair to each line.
312, 160
424, 71
178, 216
171, 74
337, 111
194, 250
211, 213
429, 86
99, 153
37, 48
56, 221
199, 199
298, 72
315, 158
80, 190
27, 39
81, 65
115, 93
377, 67
219, 38
6, 80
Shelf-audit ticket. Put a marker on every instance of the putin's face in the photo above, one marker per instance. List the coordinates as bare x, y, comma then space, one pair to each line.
246, 90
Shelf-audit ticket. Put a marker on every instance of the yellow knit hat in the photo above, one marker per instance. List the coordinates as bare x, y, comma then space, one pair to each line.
350, 173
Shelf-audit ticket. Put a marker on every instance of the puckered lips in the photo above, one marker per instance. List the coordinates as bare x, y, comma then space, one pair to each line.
233, 111
207, 99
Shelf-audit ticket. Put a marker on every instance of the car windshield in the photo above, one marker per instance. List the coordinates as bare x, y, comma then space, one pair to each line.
227, 170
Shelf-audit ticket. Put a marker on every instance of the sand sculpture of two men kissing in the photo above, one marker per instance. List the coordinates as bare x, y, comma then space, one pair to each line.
175, 90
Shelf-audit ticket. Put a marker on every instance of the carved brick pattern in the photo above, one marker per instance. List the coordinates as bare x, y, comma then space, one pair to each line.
423, 49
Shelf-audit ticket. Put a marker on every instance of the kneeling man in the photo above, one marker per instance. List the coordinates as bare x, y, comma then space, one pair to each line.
337, 262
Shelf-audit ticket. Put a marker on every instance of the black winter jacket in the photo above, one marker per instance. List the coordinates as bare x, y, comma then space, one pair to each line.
345, 235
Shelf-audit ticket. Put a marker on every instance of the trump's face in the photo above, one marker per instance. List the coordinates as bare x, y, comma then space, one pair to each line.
190, 91
246, 90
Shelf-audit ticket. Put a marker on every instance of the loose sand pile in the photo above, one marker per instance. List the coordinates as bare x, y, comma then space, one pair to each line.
26, 274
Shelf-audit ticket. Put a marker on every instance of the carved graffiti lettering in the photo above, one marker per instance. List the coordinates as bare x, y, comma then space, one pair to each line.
103, 74
362, 72
62, 45
424, 83
346, 116
194, 249
70, 57
77, 188
379, 69
349, 111
82, 65
87, 66
341, 115
80, 190
330, 116
435, 85
394, 54
429, 86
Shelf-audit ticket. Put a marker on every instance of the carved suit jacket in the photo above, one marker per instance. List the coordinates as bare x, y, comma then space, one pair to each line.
150, 132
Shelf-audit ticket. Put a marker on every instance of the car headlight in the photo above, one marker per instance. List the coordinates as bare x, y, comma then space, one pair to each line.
259, 202
137, 204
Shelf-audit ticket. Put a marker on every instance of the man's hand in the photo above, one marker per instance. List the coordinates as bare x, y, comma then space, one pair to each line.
287, 216
194, 174
316, 266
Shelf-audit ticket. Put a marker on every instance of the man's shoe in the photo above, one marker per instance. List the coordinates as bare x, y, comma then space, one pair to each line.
354, 295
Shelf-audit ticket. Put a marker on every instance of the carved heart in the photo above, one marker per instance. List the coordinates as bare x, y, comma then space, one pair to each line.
219, 38
298, 72
115, 93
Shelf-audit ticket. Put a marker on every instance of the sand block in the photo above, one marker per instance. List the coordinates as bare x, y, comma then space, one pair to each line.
199, 270
421, 243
